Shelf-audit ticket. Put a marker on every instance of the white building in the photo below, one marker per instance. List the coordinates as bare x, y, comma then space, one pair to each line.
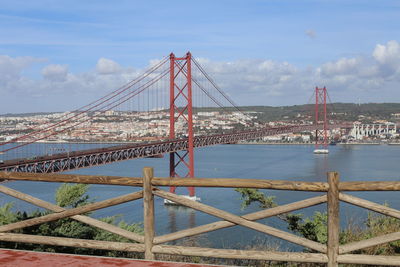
360, 131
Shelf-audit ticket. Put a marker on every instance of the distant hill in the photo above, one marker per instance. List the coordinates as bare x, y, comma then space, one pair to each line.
344, 111
27, 114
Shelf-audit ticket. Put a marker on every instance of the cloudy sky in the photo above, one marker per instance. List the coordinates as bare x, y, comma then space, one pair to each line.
60, 55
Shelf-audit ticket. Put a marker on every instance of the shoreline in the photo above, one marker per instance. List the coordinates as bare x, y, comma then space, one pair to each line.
239, 143
312, 144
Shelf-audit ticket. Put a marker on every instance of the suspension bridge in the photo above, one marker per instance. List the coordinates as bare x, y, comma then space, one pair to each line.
176, 89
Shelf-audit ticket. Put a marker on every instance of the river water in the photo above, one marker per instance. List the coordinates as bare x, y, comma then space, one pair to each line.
283, 162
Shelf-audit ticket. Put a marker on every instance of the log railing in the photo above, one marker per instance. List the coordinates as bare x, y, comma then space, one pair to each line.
331, 253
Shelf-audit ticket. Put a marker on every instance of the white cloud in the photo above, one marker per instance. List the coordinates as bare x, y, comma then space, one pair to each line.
107, 66
388, 57
55, 72
251, 77
11, 68
341, 66
374, 77
389, 53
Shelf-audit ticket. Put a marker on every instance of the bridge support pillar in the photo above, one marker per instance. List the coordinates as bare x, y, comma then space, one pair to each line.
181, 109
321, 135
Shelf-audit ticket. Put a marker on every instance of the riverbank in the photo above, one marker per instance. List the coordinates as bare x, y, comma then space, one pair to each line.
239, 143
313, 144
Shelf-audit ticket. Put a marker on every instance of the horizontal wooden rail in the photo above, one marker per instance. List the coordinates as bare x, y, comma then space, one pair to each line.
241, 254
203, 182
370, 186
72, 242
72, 178
243, 183
182, 182
369, 259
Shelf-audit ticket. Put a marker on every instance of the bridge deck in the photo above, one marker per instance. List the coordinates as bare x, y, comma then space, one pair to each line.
92, 157
12, 258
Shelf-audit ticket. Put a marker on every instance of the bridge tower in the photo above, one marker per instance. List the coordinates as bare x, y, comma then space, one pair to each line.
181, 110
321, 135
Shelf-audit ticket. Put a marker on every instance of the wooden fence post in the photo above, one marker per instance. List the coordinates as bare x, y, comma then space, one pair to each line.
333, 219
148, 210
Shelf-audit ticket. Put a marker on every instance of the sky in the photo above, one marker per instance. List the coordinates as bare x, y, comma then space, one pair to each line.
60, 55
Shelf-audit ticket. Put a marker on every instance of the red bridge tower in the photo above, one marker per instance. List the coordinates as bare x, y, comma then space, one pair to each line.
321, 135
181, 109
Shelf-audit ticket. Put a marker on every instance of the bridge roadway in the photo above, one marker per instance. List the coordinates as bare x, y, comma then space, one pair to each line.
92, 157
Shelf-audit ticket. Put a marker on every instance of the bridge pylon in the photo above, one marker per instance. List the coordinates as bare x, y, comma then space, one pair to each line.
181, 109
321, 135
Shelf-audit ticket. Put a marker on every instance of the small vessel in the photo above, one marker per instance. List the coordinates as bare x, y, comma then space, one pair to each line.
169, 202
321, 151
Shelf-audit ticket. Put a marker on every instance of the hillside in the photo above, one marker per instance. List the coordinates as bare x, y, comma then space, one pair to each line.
345, 111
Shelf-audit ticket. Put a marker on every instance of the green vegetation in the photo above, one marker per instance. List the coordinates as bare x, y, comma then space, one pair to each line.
344, 111
339, 111
315, 227
67, 196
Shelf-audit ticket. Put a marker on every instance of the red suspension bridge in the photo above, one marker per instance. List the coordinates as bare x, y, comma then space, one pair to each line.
177, 87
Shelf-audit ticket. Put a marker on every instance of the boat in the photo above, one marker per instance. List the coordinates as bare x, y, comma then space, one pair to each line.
170, 202
321, 151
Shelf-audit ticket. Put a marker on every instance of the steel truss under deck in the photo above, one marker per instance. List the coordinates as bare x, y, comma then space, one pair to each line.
93, 157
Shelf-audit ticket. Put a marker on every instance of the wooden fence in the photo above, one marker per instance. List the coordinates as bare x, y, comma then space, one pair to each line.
331, 253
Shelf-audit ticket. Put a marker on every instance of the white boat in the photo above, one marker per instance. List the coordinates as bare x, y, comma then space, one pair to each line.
321, 151
169, 202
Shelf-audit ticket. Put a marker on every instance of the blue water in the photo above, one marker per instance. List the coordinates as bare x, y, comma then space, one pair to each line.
283, 162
